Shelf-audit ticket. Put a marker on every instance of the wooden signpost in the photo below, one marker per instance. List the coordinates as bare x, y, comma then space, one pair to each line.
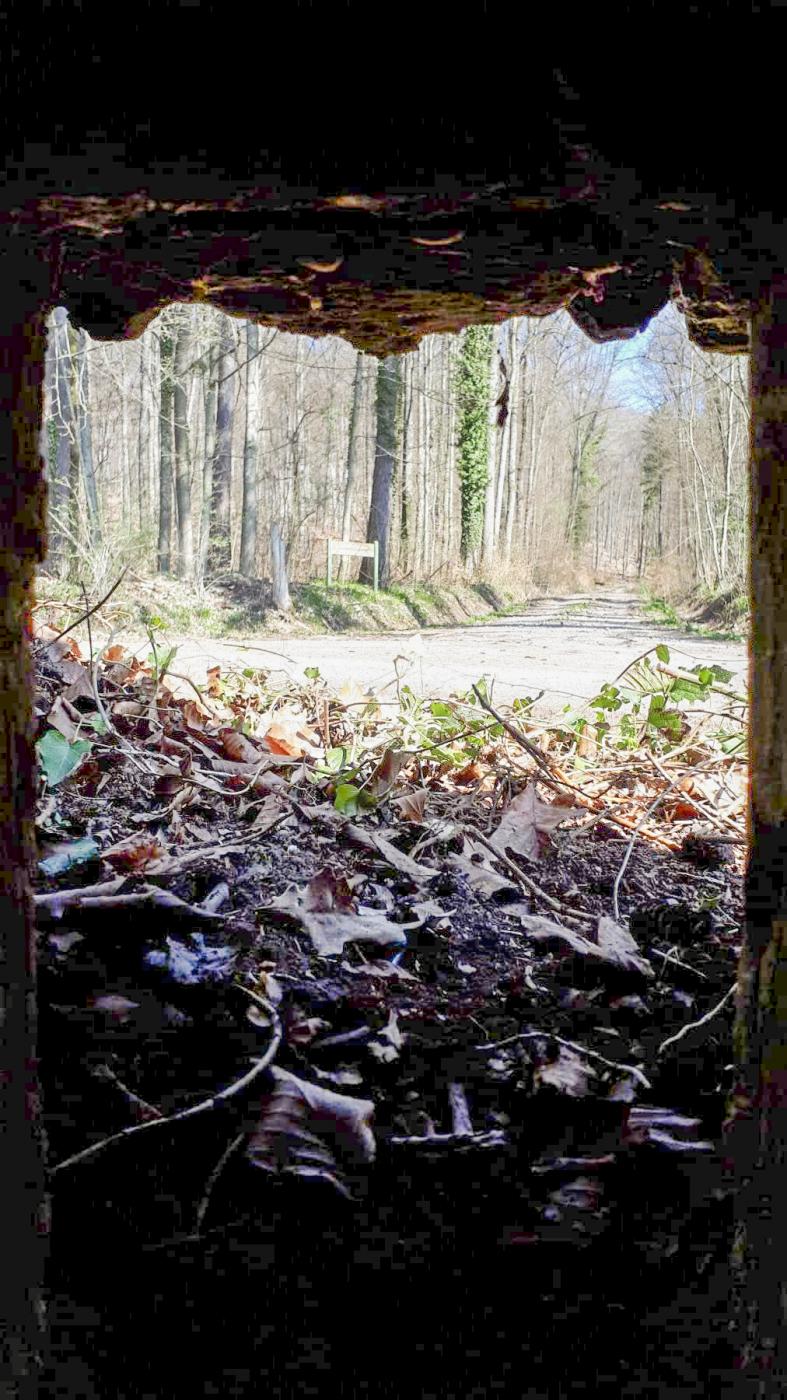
338, 548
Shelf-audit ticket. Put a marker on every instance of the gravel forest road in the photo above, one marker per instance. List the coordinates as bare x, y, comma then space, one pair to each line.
565, 646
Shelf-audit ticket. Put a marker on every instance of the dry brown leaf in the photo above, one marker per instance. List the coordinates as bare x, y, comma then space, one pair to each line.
302, 1126
568, 1073
471, 773
81, 687
324, 909
374, 841
475, 862
134, 853
291, 737
411, 805
615, 947
129, 709
240, 749
61, 720
524, 819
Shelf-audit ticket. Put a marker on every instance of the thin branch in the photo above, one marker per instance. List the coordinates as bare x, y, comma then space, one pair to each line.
85, 615
232, 1091
703, 1021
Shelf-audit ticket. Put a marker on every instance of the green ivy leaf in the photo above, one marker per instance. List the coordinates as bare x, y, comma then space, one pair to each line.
346, 799
58, 758
312, 673
662, 652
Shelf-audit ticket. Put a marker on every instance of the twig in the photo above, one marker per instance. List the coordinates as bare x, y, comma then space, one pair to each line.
630, 847
210, 1184
703, 1021
531, 884
460, 1113
55, 901
84, 616
570, 1045
143, 1110
232, 1091
521, 739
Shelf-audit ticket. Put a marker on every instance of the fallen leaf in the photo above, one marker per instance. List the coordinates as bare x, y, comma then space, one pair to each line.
296, 1119
411, 805
58, 758
524, 818
471, 773
375, 841
134, 853
324, 909
616, 948
303, 1032
620, 949
117, 1007
568, 1073
475, 862
81, 687
290, 736
381, 969
61, 720
129, 709
387, 771
240, 749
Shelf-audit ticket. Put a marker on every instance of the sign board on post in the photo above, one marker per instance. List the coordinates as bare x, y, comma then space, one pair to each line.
352, 548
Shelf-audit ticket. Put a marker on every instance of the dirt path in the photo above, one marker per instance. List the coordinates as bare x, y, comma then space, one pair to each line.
565, 645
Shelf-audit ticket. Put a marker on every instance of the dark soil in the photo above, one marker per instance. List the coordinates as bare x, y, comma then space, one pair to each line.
482, 1264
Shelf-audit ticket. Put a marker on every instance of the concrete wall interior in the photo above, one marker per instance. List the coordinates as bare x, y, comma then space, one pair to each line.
587, 188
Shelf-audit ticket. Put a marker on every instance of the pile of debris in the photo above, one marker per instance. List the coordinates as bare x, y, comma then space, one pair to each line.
376, 993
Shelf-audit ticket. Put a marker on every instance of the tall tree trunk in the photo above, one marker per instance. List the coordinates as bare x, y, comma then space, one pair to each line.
473, 393
183, 357
60, 497
143, 432
379, 524
85, 435
352, 455
280, 587
248, 524
166, 442
221, 535
209, 448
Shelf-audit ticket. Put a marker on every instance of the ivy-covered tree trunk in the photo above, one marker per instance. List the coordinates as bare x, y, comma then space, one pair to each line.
473, 375
379, 524
757, 1123
60, 547
165, 438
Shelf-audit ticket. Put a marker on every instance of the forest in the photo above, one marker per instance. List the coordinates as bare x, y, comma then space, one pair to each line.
511, 452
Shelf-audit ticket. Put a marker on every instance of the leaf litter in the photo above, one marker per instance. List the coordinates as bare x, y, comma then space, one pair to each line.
432, 928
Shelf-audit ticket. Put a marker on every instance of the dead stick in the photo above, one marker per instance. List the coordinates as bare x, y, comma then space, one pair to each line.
531, 884
521, 739
703, 1021
149, 896
570, 1045
84, 616
460, 1112
232, 1091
